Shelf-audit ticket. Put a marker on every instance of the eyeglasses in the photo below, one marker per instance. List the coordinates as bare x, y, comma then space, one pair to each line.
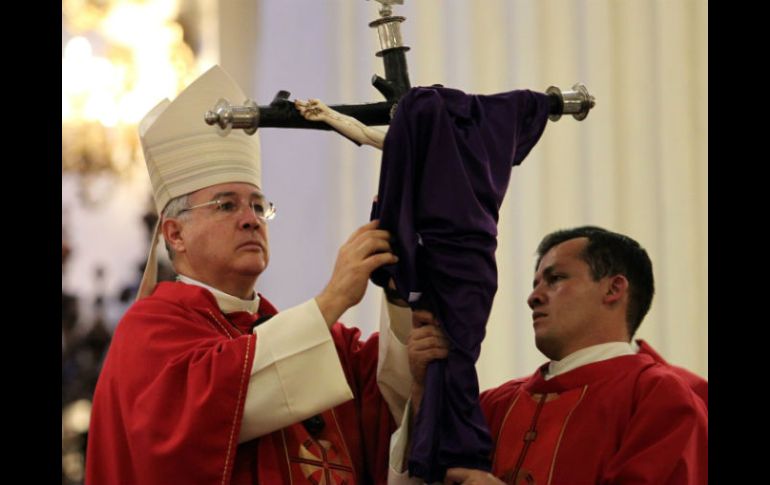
228, 205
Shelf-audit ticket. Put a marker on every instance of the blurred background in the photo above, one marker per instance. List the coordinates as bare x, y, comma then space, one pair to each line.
637, 164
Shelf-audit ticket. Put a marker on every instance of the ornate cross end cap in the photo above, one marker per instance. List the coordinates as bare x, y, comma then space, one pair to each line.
386, 9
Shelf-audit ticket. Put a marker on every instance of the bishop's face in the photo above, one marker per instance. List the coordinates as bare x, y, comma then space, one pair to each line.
224, 240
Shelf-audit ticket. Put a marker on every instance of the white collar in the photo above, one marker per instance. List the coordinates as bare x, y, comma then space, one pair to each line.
227, 303
588, 355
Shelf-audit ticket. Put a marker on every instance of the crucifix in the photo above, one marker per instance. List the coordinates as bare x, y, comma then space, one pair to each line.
283, 113
446, 162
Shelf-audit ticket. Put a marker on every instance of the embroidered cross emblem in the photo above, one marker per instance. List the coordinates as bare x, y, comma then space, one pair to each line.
321, 463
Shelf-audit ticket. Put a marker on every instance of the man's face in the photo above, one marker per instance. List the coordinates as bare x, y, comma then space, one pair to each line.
565, 301
226, 244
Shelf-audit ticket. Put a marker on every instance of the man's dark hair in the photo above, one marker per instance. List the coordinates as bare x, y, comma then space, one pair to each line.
607, 254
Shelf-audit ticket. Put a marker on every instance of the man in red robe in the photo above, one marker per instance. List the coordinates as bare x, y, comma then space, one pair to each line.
699, 385
205, 381
600, 412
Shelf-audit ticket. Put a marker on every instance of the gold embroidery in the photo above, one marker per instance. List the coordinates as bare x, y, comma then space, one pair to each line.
563, 427
240, 392
286, 456
344, 443
524, 477
322, 464
237, 407
505, 418
216, 320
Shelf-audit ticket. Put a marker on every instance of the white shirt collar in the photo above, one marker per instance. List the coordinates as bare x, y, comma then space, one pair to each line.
588, 355
227, 303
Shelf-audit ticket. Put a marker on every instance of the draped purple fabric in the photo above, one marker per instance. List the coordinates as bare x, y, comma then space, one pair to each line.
446, 164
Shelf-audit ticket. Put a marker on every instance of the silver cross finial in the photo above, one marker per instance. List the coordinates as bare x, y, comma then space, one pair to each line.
386, 9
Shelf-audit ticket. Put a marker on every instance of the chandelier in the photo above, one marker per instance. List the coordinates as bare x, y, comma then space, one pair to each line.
119, 58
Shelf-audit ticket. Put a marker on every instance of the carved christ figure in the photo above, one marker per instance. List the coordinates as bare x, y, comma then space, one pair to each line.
315, 110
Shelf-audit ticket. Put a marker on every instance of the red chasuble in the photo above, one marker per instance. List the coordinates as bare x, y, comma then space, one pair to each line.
168, 405
699, 385
626, 420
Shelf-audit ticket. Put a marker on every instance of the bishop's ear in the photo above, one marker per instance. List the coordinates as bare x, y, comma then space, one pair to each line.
172, 233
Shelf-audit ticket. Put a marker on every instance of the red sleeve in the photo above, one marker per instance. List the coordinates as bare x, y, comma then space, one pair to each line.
666, 440
359, 361
168, 405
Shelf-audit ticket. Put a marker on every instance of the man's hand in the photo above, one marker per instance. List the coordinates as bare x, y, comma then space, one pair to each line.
465, 476
365, 250
426, 343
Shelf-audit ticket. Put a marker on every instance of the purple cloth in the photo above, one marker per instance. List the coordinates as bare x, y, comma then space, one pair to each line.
446, 164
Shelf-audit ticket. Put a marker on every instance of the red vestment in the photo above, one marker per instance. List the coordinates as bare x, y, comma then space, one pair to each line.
168, 405
626, 420
699, 385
